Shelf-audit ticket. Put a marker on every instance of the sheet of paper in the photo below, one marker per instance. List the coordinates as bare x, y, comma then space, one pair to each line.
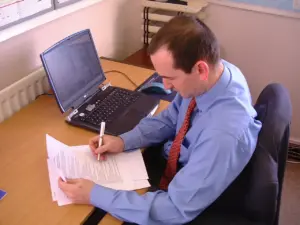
52, 180
76, 165
31, 7
54, 146
124, 171
130, 165
9, 14
78, 162
57, 194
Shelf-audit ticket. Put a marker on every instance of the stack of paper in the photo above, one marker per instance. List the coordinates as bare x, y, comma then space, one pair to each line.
123, 171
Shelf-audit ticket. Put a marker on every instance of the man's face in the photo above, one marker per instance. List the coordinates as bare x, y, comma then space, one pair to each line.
187, 85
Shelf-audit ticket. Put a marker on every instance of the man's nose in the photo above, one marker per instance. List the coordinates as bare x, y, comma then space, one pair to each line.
167, 84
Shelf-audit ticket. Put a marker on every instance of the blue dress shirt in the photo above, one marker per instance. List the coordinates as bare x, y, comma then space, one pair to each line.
219, 144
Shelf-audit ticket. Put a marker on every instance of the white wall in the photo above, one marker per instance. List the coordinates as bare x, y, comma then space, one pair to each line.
115, 26
265, 47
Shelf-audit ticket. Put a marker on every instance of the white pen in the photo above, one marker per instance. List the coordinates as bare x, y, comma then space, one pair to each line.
102, 128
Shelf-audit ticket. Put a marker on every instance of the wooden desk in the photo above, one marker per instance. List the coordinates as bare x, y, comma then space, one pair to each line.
23, 167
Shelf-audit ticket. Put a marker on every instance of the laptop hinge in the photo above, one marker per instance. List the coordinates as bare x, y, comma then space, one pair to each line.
69, 117
103, 88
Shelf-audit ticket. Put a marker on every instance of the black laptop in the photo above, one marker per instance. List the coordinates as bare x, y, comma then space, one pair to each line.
75, 74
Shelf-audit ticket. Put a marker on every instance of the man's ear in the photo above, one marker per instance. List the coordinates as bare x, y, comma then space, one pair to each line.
202, 69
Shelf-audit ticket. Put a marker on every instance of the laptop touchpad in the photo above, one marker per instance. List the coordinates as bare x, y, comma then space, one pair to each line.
127, 121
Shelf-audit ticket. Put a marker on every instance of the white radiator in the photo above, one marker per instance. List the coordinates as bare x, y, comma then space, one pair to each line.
21, 93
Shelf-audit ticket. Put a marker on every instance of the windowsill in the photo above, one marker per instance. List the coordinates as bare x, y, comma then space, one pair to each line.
43, 19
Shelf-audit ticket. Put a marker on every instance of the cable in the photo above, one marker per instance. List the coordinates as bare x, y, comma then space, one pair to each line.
125, 75
43, 94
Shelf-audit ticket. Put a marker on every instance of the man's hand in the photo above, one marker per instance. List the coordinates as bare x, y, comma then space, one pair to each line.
111, 144
78, 190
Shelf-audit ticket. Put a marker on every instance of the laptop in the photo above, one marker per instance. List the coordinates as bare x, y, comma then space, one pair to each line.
75, 74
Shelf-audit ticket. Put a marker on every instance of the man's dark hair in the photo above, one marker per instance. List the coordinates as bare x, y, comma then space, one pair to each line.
189, 40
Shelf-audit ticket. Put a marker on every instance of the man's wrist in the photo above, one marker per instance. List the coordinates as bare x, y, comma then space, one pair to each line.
123, 143
102, 197
90, 195
130, 141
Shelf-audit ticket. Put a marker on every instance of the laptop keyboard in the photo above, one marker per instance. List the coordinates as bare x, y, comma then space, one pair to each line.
103, 110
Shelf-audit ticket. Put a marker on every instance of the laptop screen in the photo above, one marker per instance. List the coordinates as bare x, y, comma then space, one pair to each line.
73, 68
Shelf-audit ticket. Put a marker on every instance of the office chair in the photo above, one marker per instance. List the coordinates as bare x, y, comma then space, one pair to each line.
274, 109
254, 197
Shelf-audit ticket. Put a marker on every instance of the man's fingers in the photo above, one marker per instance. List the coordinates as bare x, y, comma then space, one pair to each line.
69, 194
103, 157
63, 185
73, 181
92, 146
102, 149
67, 186
93, 143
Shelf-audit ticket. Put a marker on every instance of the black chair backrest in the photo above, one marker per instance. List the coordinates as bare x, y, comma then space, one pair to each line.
274, 110
256, 192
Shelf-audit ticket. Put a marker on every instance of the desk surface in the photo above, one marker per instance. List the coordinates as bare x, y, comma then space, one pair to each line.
23, 167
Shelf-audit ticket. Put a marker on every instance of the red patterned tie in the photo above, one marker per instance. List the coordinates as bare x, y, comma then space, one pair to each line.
171, 168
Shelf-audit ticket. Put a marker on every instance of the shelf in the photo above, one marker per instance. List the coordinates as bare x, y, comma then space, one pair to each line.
156, 14
194, 6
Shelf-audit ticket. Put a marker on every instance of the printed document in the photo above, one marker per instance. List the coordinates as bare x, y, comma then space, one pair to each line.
123, 171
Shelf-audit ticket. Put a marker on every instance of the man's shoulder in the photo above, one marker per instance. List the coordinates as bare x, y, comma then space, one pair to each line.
233, 112
234, 117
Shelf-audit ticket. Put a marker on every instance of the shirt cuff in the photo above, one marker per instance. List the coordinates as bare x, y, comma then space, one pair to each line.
130, 141
102, 197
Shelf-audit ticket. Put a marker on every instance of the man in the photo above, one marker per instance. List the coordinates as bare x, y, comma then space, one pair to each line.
209, 131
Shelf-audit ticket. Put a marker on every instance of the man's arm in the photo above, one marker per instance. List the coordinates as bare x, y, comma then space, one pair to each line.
214, 164
153, 130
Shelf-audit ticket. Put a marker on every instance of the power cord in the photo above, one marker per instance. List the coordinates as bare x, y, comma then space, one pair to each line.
110, 71
48, 94
125, 75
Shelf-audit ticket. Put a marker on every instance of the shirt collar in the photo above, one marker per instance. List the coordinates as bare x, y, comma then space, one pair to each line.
206, 99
